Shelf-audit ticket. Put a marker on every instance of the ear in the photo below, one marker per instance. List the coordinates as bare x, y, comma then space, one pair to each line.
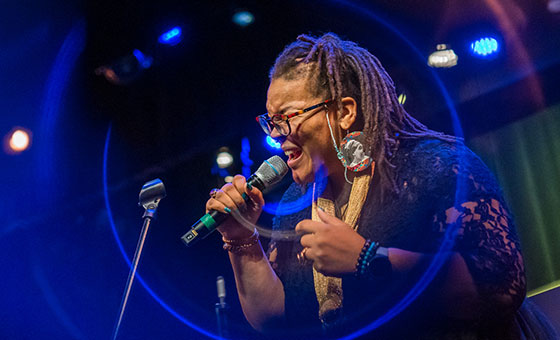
348, 114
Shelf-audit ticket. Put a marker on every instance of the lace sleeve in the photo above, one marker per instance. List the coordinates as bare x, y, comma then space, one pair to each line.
487, 241
485, 230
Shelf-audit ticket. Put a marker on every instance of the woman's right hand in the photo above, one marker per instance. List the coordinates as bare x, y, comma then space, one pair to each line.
230, 196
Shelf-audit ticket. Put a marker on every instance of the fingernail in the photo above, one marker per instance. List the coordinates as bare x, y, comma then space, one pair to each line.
249, 186
227, 210
244, 195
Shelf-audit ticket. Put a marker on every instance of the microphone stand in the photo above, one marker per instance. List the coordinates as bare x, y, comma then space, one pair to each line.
150, 195
221, 309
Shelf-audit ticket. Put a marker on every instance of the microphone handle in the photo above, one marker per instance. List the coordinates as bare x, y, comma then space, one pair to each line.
209, 222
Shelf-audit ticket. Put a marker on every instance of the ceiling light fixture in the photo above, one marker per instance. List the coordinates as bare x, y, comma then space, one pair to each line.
443, 57
485, 47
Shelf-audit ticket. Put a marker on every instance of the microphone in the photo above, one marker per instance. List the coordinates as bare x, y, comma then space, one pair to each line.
221, 309
269, 173
221, 288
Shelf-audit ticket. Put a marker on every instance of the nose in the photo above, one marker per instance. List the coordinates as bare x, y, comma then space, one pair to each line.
278, 137
274, 134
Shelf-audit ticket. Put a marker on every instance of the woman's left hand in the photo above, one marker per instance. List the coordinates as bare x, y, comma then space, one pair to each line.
332, 245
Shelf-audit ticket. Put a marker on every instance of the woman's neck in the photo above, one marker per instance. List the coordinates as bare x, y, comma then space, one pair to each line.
338, 188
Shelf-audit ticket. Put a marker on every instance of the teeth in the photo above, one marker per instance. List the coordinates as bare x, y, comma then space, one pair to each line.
288, 153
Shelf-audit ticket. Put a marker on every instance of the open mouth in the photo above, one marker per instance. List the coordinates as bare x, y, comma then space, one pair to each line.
293, 155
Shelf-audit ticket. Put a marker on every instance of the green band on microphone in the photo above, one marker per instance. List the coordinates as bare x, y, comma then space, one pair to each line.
209, 222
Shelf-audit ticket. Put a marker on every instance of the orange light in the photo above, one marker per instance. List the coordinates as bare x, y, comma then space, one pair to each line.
17, 141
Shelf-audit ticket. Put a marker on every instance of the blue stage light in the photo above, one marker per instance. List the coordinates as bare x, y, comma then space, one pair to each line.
243, 18
272, 143
245, 159
143, 60
485, 47
171, 37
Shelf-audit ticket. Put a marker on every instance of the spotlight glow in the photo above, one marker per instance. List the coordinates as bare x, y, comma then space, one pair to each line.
443, 57
17, 141
243, 18
144, 60
402, 98
554, 6
485, 47
171, 37
224, 160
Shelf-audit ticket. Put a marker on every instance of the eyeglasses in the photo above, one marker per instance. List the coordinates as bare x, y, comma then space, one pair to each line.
281, 122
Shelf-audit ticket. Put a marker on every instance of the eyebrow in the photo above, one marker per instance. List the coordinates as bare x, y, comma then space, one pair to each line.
284, 110
281, 112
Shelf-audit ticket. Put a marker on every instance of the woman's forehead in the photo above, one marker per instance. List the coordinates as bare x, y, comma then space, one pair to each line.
283, 94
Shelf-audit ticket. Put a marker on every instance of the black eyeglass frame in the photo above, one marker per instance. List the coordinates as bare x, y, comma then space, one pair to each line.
269, 123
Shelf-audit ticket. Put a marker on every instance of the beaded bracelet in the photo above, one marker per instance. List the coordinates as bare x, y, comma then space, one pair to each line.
366, 246
366, 255
236, 246
373, 262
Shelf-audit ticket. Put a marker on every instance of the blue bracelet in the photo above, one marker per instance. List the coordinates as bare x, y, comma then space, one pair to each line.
365, 248
373, 261
366, 255
370, 253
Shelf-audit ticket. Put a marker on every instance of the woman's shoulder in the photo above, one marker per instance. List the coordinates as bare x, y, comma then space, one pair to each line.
430, 148
436, 154
441, 162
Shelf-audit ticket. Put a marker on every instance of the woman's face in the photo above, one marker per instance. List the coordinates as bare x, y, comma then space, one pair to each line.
309, 145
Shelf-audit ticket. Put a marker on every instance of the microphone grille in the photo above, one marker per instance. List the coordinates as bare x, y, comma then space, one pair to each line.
272, 171
221, 287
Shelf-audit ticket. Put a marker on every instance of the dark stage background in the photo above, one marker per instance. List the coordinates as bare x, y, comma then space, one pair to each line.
95, 142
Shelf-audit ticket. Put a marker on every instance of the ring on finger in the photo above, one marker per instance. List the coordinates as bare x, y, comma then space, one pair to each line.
214, 192
302, 258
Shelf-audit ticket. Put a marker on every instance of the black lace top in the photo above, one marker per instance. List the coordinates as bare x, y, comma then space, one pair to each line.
447, 196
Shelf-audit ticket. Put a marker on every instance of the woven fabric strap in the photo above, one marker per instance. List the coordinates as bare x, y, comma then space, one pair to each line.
327, 288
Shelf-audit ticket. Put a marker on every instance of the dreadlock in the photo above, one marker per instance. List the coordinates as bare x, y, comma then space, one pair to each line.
340, 69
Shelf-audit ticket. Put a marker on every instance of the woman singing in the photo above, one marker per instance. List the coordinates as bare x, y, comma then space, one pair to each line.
391, 208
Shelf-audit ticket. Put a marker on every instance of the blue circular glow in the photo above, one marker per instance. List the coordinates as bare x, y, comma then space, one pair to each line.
485, 46
438, 259
59, 76
449, 238
302, 202
127, 260
243, 18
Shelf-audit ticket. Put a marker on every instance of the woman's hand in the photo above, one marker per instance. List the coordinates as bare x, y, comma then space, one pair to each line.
332, 245
229, 199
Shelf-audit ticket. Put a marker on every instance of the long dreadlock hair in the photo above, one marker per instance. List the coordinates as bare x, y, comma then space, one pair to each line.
340, 69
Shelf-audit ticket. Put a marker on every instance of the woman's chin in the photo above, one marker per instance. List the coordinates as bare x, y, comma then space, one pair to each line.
302, 178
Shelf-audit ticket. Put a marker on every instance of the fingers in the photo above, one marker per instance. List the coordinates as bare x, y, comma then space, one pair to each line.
229, 197
247, 190
236, 193
255, 195
325, 217
218, 204
308, 227
235, 196
307, 241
